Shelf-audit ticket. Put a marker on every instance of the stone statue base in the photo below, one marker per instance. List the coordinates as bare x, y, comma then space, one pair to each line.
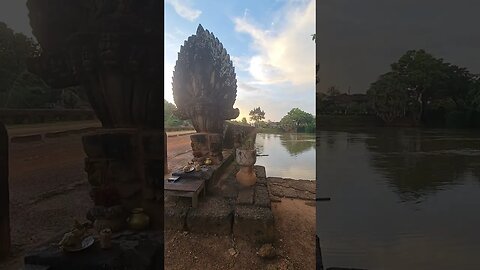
207, 145
125, 169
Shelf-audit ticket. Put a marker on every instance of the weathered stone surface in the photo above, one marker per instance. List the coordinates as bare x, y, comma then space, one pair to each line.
204, 83
100, 49
289, 188
262, 197
260, 171
213, 215
261, 175
129, 251
227, 189
245, 196
176, 210
254, 224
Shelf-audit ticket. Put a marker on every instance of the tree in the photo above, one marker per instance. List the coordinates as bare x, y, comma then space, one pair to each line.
297, 118
256, 115
428, 89
423, 75
244, 120
388, 97
170, 119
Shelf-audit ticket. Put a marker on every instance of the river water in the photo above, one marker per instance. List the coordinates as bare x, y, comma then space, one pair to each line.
400, 198
288, 155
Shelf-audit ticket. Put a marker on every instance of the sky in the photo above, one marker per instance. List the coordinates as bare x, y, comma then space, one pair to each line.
269, 43
358, 40
15, 14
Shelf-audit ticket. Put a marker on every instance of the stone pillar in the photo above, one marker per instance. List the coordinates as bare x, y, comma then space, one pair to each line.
4, 195
125, 169
207, 145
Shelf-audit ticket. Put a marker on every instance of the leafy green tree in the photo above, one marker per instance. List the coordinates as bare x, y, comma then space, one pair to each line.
389, 97
423, 75
244, 120
170, 120
15, 49
425, 88
256, 115
296, 119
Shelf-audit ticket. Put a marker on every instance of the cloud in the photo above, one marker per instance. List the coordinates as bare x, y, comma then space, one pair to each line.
285, 53
247, 87
240, 63
184, 10
168, 88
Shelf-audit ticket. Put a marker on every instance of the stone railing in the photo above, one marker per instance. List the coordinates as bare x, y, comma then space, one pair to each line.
29, 116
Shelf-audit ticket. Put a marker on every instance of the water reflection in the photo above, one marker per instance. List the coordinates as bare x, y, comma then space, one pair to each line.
419, 162
289, 155
401, 198
297, 143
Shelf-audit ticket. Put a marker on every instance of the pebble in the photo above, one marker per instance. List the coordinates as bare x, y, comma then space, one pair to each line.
267, 251
232, 252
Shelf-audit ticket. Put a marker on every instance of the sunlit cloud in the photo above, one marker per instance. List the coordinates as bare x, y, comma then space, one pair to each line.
184, 10
285, 52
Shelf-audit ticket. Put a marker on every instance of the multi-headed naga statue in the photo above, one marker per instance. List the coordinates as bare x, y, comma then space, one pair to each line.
204, 89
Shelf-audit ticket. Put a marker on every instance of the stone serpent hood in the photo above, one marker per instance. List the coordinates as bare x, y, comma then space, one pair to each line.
204, 83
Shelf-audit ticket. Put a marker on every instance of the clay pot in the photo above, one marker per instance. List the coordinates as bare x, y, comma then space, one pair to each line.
138, 220
246, 159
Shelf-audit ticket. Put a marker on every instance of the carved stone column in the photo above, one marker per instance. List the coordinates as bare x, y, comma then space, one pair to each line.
112, 48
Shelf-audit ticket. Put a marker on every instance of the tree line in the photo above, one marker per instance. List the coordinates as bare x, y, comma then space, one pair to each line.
295, 120
23, 90
419, 89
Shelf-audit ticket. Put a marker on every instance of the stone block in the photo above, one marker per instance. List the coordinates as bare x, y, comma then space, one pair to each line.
262, 198
261, 175
260, 171
245, 196
175, 216
254, 223
289, 188
213, 215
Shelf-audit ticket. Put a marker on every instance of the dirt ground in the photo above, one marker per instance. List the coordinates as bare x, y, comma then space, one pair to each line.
295, 245
48, 190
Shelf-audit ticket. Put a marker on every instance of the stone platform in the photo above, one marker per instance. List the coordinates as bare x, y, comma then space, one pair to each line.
228, 209
130, 250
